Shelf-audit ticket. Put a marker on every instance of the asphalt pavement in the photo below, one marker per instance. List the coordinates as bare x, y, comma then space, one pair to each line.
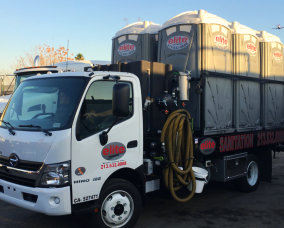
220, 205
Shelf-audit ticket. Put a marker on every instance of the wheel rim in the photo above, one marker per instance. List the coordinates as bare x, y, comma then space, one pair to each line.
117, 209
252, 173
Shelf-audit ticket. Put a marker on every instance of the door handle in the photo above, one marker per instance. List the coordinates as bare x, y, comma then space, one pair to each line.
132, 144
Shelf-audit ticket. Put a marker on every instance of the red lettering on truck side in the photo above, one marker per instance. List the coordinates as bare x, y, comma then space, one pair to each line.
236, 142
113, 151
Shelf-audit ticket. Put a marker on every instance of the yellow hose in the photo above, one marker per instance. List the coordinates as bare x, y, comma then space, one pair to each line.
177, 137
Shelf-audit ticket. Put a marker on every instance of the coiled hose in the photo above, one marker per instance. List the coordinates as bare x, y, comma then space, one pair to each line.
177, 138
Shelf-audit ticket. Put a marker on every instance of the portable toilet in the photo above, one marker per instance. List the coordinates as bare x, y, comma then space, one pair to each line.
246, 53
272, 68
198, 41
246, 63
271, 56
135, 42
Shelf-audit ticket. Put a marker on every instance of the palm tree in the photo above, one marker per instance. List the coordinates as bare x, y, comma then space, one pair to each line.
79, 56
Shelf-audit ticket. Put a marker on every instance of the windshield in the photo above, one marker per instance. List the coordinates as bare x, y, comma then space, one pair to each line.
49, 103
19, 79
23, 76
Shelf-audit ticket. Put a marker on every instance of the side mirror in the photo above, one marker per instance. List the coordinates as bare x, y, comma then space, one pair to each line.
120, 106
120, 99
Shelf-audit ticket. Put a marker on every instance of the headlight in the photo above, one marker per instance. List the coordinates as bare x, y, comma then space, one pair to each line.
56, 174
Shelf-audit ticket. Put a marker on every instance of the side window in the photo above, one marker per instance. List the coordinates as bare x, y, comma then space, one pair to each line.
96, 111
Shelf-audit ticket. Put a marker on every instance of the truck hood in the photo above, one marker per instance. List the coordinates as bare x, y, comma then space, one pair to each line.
36, 146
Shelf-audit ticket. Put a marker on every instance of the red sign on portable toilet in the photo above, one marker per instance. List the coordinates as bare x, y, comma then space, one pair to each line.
177, 42
126, 49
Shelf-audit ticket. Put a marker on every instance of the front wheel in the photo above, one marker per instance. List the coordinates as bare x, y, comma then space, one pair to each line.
120, 204
250, 182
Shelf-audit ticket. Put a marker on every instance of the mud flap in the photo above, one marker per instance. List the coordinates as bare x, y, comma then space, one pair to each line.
265, 158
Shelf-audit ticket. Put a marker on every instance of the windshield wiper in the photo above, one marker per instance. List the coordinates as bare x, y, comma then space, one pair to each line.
9, 126
47, 133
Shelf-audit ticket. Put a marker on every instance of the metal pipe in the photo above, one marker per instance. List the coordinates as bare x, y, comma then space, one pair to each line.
183, 86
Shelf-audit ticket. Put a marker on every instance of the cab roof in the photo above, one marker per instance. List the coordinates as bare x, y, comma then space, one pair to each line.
36, 69
82, 74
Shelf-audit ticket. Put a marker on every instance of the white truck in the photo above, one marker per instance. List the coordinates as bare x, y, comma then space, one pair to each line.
102, 139
59, 160
63, 149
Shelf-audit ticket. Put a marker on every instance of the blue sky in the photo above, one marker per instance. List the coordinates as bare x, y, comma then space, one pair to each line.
89, 25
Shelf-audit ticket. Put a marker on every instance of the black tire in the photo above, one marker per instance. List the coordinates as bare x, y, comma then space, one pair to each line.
250, 182
119, 200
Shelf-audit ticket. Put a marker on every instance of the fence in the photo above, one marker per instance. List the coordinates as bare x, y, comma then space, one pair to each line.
7, 82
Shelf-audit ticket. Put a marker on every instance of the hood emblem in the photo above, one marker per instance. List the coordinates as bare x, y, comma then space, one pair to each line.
14, 160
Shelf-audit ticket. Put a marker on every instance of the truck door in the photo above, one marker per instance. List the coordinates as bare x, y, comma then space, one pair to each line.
92, 163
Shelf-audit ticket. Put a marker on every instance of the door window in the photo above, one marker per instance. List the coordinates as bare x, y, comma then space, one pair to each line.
96, 111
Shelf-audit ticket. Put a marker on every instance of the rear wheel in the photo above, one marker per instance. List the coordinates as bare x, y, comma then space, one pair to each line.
120, 204
250, 182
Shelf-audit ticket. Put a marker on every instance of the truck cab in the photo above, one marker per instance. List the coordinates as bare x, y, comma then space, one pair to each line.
64, 142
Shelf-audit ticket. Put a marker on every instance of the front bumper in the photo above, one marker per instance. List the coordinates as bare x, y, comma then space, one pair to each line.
49, 201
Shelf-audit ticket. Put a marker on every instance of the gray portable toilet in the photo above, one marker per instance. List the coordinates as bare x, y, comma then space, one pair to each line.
135, 42
246, 53
271, 50
246, 63
195, 41
272, 68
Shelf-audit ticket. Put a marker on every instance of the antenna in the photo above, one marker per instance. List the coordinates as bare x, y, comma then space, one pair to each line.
67, 54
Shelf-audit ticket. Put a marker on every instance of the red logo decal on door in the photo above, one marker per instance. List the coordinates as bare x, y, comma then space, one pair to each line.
113, 151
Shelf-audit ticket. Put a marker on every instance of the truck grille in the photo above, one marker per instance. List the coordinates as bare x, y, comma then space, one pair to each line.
26, 173
17, 180
26, 165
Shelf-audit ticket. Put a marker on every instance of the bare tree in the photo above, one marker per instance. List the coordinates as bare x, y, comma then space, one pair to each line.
48, 56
